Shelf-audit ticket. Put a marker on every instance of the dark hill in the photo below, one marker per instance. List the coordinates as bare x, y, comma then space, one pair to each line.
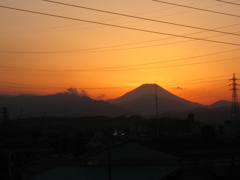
220, 103
58, 105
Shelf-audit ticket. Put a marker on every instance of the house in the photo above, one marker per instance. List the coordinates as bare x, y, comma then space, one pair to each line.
101, 173
11, 160
128, 161
130, 154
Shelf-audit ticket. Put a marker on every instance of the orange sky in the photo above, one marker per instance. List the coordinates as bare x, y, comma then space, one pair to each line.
37, 52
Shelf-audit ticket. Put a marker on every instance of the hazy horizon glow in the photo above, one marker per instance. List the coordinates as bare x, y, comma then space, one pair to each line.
45, 55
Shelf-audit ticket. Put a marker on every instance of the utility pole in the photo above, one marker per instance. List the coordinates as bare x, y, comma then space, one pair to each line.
235, 110
157, 100
6, 143
109, 164
110, 145
157, 112
5, 121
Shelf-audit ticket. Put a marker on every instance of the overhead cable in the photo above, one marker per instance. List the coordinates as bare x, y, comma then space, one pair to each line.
229, 2
177, 65
118, 26
196, 81
142, 18
122, 68
117, 67
14, 85
51, 29
146, 46
107, 48
200, 9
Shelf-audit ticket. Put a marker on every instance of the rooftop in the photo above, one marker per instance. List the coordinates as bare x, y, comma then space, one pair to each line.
101, 173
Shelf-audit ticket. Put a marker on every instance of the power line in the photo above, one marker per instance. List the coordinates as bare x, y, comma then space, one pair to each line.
229, 2
214, 88
67, 26
200, 9
30, 87
172, 8
184, 12
178, 65
134, 65
107, 48
118, 26
103, 49
58, 28
115, 68
142, 18
166, 61
148, 46
201, 82
200, 79
196, 81
17, 85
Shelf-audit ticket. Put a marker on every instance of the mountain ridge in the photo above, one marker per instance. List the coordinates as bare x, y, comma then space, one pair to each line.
143, 100
70, 105
140, 101
147, 89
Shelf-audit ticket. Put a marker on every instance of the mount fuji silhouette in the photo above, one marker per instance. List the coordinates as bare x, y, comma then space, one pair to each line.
145, 99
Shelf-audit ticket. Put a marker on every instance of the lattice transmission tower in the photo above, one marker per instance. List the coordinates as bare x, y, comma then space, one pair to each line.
235, 109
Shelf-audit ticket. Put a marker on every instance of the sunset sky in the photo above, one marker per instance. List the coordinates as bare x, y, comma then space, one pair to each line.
191, 52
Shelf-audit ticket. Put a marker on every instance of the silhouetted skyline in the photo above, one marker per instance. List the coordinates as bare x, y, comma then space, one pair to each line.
108, 48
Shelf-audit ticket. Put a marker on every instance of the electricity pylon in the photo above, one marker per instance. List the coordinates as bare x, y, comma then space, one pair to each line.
235, 110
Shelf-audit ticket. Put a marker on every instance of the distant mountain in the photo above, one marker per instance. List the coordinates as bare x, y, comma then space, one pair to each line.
142, 101
61, 105
220, 103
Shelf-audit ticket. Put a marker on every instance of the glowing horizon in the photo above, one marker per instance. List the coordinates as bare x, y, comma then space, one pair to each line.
45, 55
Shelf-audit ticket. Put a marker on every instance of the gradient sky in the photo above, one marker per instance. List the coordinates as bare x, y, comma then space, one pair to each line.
46, 55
